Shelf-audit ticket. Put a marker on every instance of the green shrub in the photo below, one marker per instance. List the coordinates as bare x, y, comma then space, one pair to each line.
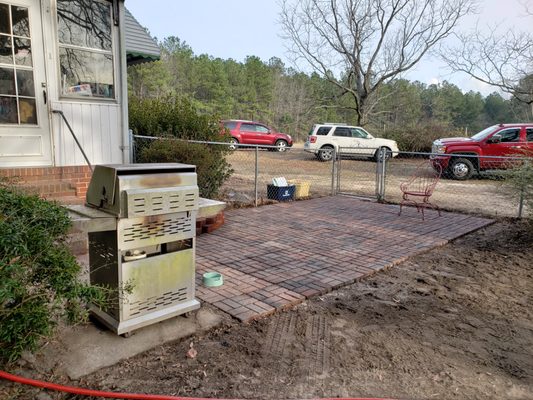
38, 274
519, 180
419, 138
211, 165
178, 118
172, 117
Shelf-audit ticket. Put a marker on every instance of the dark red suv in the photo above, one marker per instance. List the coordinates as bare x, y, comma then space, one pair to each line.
460, 157
249, 132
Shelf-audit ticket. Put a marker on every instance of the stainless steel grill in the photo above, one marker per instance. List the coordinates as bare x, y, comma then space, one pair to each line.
152, 249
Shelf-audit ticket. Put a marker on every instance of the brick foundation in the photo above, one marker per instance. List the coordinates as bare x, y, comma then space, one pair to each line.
65, 184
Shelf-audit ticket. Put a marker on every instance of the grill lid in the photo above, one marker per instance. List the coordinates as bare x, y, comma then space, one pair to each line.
142, 169
103, 185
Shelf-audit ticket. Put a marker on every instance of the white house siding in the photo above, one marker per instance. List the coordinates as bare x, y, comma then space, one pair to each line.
98, 128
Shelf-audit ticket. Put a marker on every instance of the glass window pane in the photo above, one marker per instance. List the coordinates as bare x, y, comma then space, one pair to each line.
529, 134
23, 52
8, 110
344, 132
6, 50
510, 135
21, 22
7, 81
248, 127
323, 130
85, 23
84, 73
230, 125
25, 83
4, 19
28, 111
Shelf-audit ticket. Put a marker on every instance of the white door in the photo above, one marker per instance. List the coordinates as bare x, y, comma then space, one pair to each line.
342, 137
24, 122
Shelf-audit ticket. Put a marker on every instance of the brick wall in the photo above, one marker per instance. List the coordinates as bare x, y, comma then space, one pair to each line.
65, 184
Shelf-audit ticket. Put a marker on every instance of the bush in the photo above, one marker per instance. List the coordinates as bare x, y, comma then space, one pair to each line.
211, 165
177, 118
172, 117
419, 138
520, 182
38, 274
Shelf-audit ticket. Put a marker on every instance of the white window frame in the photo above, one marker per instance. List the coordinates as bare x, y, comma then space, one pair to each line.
112, 52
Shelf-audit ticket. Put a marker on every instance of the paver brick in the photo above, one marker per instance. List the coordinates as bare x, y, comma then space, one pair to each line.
269, 262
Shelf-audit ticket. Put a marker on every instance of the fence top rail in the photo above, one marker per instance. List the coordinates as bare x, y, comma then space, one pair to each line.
262, 146
433, 155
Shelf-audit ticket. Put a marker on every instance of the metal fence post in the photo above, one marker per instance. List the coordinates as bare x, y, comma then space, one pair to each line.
521, 205
130, 144
522, 192
379, 170
384, 173
333, 168
256, 173
381, 166
339, 171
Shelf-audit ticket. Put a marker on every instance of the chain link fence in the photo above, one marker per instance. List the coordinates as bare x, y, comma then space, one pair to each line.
484, 185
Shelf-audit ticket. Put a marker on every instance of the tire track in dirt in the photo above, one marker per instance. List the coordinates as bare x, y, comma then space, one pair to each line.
278, 344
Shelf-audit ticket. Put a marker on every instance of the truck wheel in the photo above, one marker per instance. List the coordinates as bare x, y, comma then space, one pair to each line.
281, 145
233, 144
388, 153
325, 153
461, 169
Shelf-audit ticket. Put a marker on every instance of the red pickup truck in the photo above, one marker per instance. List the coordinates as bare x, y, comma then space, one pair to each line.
461, 157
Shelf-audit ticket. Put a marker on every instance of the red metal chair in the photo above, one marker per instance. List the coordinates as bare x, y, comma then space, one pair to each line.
419, 188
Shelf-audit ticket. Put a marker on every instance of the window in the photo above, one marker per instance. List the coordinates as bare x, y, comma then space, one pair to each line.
342, 131
17, 87
359, 133
261, 129
248, 127
85, 48
230, 125
510, 135
323, 130
529, 134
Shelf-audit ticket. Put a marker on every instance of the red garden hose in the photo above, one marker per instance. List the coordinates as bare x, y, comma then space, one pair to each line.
113, 395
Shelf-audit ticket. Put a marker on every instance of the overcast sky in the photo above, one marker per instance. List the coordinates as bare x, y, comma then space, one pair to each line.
239, 28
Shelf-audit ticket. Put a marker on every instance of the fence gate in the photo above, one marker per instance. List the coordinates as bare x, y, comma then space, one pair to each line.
360, 176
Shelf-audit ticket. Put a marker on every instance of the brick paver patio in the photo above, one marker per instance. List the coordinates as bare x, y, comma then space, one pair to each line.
276, 256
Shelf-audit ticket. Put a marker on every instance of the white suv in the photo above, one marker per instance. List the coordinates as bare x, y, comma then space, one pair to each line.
346, 140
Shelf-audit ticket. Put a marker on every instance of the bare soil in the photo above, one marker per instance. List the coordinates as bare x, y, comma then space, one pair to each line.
485, 194
454, 323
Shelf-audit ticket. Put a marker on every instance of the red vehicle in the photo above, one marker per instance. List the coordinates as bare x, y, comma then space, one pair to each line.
461, 157
250, 132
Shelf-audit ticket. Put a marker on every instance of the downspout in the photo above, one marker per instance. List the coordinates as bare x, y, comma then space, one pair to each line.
123, 76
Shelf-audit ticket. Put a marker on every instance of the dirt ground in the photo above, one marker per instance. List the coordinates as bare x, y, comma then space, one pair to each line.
454, 323
485, 194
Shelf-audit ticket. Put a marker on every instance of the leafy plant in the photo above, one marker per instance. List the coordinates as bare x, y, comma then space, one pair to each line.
520, 181
211, 166
418, 138
38, 274
175, 118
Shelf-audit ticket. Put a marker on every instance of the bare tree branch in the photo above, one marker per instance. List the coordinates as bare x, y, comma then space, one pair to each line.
504, 61
358, 45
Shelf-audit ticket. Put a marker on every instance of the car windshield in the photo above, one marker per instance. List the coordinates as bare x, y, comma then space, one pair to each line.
484, 133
